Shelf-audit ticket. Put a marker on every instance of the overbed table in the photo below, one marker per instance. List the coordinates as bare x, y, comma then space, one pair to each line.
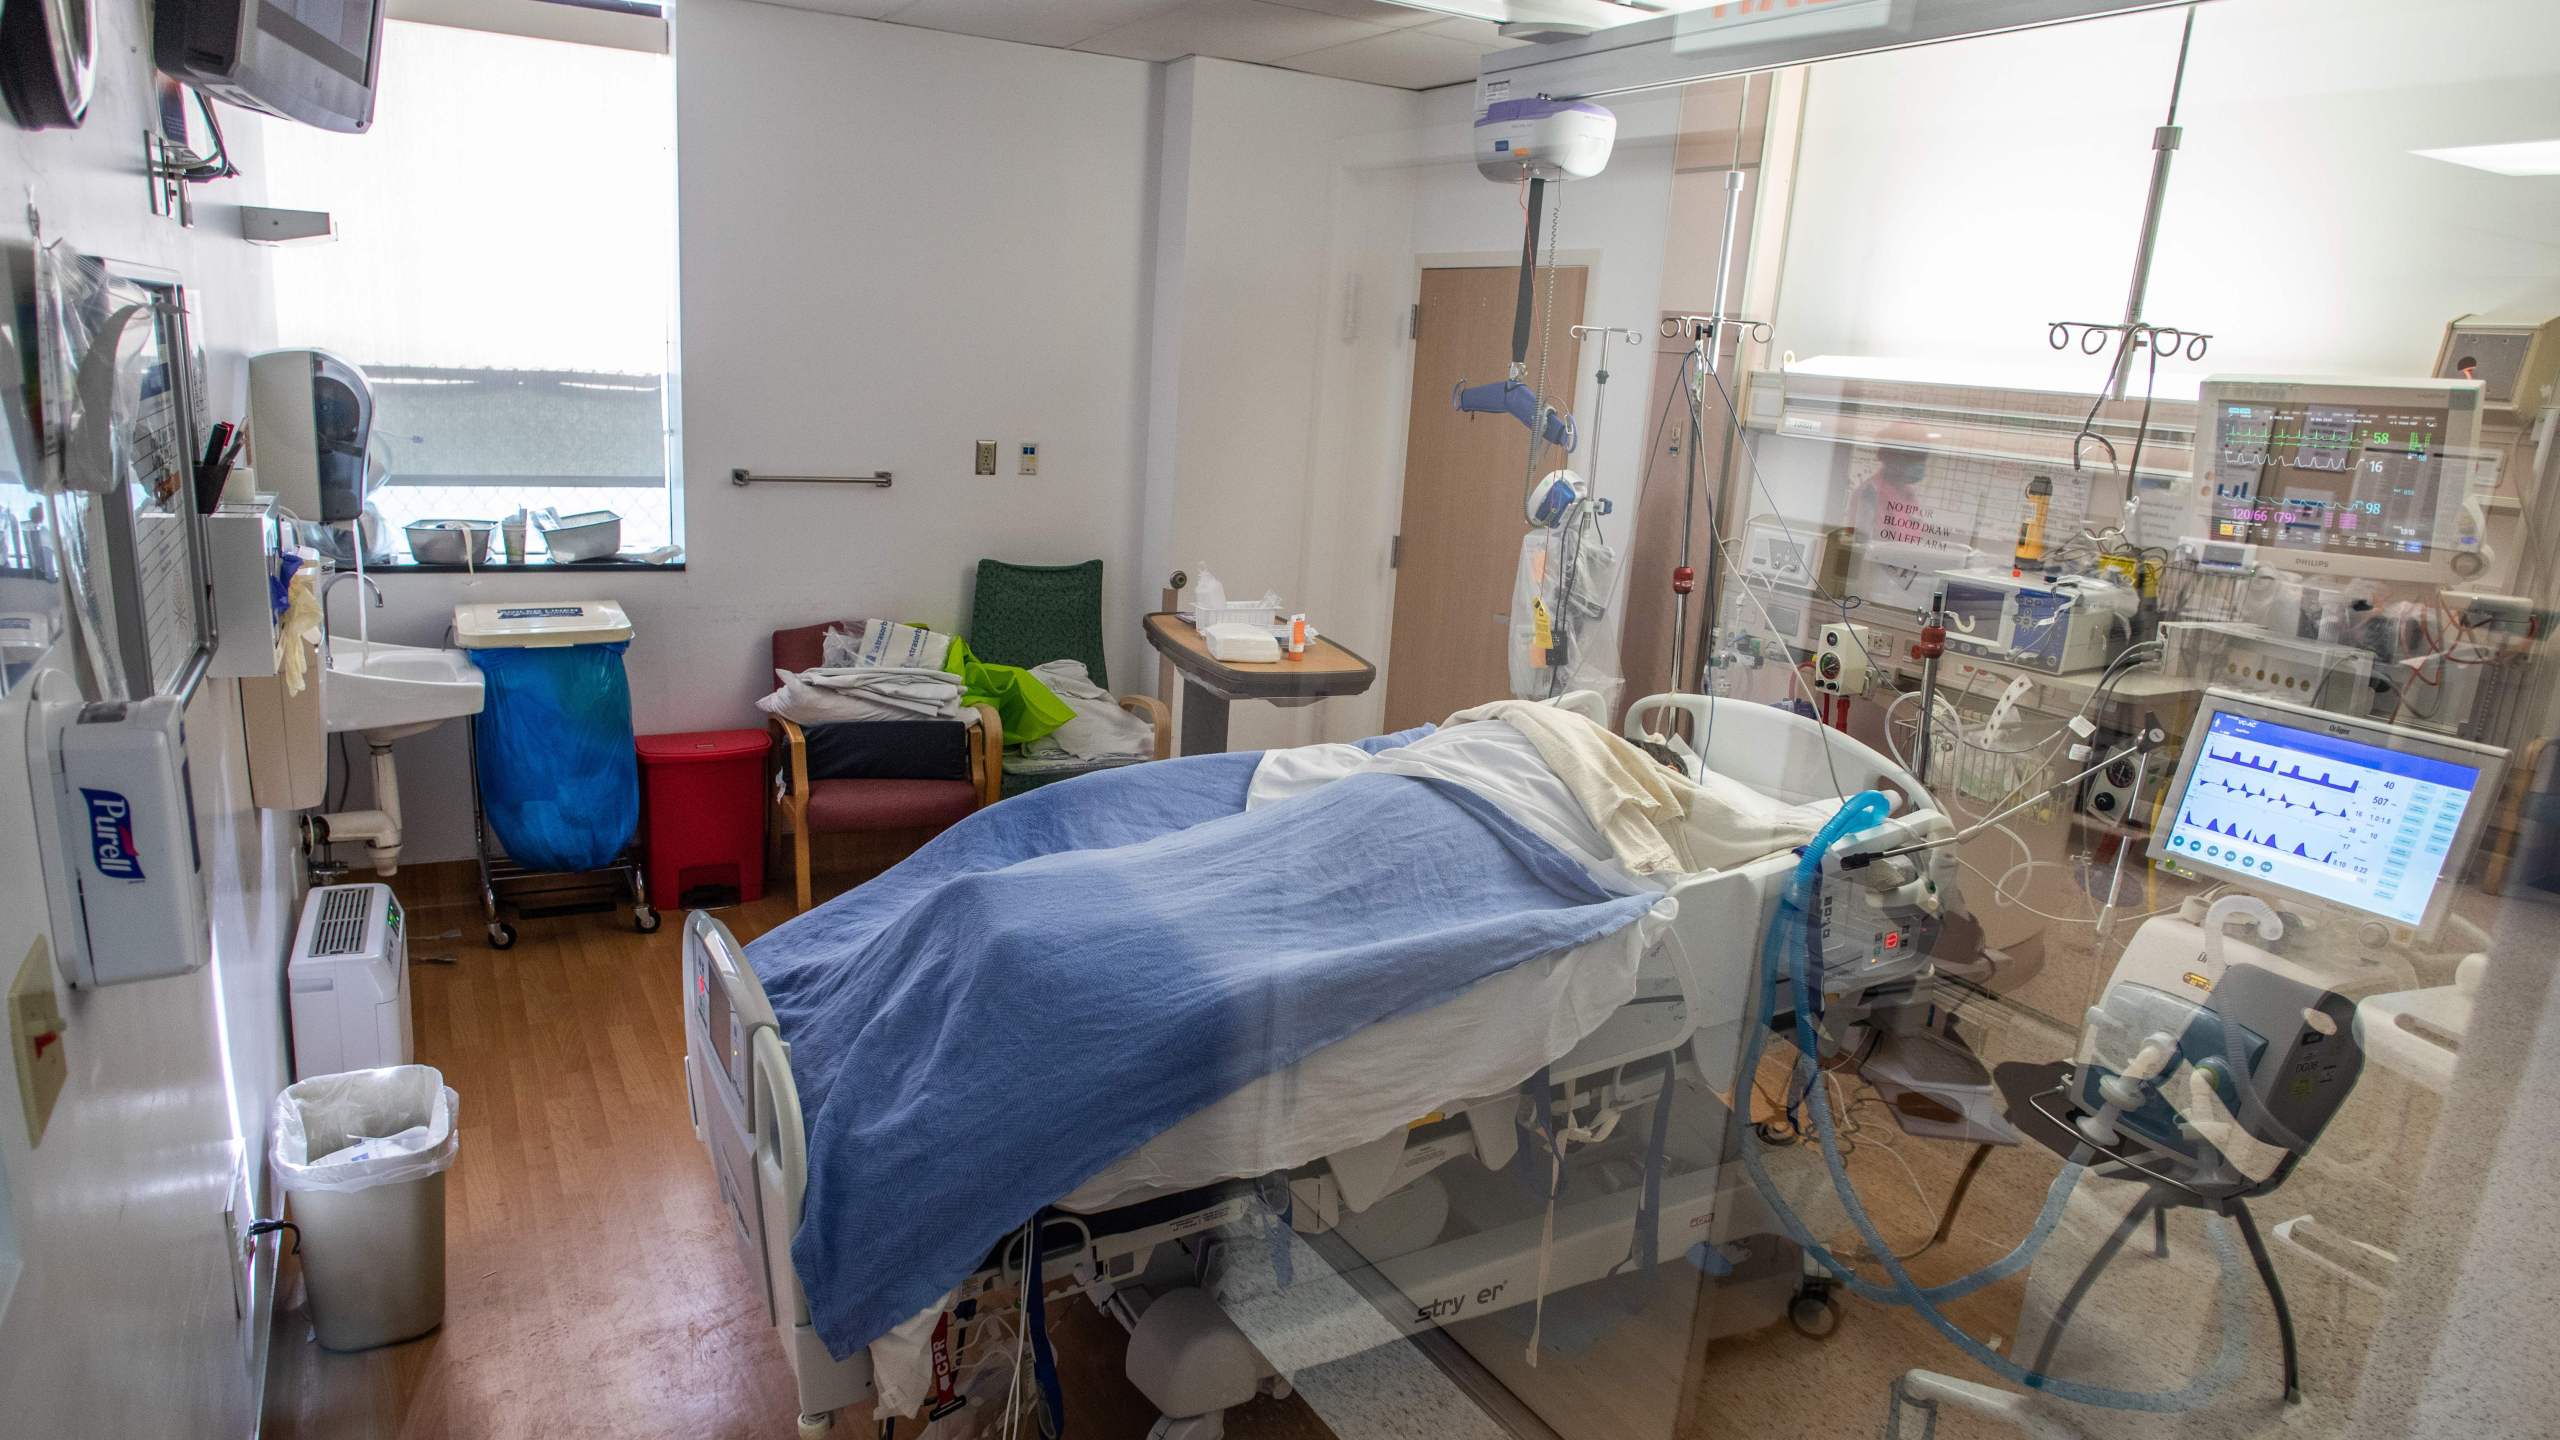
1208, 683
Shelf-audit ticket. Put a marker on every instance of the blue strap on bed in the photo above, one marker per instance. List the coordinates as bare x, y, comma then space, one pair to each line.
1646, 1250
1282, 1202
1044, 1357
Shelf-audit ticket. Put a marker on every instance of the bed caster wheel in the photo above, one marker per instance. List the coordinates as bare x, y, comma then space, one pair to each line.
502, 936
813, 1426
1815, 1315
645, 919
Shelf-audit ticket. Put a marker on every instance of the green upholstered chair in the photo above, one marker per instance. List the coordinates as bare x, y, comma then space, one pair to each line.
1029, 615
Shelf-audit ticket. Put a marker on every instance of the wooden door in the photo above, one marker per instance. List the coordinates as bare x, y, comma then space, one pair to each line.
1465, 487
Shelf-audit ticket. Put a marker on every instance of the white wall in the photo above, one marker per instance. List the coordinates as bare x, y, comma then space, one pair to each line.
123, 1321
1955, 199
894, 242
1191, 297
1265, 177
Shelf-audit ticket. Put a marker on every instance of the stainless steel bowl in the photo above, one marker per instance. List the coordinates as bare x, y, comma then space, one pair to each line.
451, 542
590, 535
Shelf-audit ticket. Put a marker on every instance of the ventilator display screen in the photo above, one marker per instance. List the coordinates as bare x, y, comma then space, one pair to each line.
2337, 817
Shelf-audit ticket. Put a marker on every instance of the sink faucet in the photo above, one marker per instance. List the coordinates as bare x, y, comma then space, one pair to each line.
331, 584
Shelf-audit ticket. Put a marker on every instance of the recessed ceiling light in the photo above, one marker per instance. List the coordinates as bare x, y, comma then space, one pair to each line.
2525, 157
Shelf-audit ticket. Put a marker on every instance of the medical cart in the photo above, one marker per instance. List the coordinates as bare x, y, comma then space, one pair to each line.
554, 776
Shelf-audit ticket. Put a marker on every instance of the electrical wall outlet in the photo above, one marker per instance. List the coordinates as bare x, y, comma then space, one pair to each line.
986, 457
1030, 459
38, 1036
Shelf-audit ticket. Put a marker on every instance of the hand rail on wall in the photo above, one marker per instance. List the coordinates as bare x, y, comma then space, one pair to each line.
879, 479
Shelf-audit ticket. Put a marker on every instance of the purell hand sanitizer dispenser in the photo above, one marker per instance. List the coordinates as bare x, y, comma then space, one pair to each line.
115, 820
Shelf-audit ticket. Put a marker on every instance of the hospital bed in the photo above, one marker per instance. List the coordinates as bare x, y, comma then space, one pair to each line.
1682, 1025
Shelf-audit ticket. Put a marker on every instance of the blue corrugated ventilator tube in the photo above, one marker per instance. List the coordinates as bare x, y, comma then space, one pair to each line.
1797, 915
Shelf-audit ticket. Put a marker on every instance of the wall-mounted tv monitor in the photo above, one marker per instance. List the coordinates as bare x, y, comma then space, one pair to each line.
309, 60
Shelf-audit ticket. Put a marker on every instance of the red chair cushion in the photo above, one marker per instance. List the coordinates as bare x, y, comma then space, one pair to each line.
836, 806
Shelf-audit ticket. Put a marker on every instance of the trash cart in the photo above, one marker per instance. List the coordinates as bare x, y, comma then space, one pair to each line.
363, 1155
554, 780
704, 804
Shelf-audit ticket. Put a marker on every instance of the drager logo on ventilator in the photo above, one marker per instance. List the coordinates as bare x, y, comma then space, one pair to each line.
111, 834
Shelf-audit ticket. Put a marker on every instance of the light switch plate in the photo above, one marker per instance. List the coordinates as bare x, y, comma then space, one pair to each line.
986, 457
39, 1039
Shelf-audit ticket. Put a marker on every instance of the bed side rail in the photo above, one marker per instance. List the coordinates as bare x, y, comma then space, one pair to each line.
1774, 750
782, 1137
725, 1007
724, 961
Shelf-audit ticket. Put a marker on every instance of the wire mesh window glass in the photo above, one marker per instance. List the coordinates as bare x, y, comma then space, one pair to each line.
504, 272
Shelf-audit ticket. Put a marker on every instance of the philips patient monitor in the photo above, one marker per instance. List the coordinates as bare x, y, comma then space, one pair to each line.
2373, 818
2370, 479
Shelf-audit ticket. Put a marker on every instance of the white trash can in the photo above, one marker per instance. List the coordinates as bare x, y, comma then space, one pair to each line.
364, 1154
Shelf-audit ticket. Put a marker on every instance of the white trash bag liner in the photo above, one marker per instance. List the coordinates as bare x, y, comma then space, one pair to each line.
365, 1128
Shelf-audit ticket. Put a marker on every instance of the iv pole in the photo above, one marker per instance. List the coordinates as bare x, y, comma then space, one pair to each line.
1706, 336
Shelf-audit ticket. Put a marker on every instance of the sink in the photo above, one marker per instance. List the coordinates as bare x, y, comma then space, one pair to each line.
388, 691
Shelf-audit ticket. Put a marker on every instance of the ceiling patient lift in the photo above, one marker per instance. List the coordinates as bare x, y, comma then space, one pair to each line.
1534, 141
1568, 574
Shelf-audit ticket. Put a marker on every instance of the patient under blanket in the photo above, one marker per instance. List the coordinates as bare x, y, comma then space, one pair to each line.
1048, 986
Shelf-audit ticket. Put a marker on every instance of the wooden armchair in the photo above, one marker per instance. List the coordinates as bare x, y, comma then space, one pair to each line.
891, 805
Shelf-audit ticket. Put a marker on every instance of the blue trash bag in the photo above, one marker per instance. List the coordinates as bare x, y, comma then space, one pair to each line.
559, 780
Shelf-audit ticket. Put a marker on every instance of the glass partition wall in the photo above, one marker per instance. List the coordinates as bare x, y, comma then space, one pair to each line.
2161, 518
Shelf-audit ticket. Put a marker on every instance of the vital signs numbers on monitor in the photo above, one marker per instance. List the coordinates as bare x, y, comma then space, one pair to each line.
2355, 813
2363, 478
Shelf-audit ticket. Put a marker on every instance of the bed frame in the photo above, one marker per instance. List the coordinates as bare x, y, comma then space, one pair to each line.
1693, 990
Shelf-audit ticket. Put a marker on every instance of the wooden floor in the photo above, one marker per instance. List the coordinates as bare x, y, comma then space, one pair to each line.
592, 1289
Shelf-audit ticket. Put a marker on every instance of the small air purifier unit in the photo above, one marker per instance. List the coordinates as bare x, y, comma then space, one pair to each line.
349, 979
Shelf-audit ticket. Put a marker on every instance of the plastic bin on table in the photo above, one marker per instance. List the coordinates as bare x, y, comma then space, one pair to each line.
554, 778
703, 799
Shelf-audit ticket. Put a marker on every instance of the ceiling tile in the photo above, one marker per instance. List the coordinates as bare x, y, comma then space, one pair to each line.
1407, 59
1482, 34
1376, 12
1032, 22
1250, 30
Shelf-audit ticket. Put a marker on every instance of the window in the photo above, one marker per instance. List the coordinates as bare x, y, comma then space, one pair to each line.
505, 272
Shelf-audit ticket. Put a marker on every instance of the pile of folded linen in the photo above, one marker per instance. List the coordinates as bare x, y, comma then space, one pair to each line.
884, 644
871, 670
1101, 733
830, 694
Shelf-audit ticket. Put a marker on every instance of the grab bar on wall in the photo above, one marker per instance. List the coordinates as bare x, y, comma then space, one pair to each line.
743, 476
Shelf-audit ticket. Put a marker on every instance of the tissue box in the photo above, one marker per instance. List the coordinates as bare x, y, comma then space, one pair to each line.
1250, 643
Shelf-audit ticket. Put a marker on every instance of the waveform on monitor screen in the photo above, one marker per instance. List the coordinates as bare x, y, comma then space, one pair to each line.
2279, 797
2232, 830
2268, 766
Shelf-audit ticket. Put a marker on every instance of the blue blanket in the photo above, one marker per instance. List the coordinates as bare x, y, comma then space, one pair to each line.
1048, 986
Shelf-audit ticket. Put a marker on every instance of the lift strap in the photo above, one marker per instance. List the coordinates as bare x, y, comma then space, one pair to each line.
1527, 303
